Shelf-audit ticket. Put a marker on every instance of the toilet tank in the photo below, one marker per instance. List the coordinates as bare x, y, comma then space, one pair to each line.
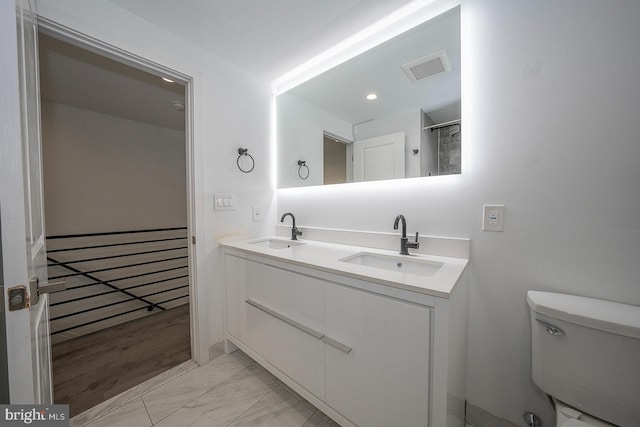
586, 353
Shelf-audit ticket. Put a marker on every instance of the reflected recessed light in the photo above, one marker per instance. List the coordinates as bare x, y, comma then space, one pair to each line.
167, 80
372, 96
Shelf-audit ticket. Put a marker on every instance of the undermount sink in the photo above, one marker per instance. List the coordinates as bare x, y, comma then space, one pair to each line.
400, 263
276, 243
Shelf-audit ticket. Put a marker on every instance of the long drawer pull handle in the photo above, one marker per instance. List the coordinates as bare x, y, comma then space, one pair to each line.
298, 325
342, 347
286, 319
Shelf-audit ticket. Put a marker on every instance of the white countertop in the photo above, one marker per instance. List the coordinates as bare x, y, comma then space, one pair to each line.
326, 257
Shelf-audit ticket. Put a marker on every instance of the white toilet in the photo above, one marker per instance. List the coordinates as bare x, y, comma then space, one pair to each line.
586, 357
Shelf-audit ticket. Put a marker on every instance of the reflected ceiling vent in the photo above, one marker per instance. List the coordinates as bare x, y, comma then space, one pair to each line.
427, 66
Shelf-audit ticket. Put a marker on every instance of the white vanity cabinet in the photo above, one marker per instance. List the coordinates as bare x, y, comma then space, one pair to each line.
364, 353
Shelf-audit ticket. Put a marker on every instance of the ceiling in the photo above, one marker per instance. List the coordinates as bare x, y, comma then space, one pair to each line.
265, 37
76, 77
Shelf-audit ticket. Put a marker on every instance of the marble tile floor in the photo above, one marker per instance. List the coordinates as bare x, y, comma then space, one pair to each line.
231, 390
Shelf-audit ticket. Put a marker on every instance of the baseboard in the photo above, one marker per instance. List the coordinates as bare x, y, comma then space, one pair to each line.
216, 351
478, 417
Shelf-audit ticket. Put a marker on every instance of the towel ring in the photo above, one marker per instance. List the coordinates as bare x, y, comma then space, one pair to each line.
303, 164
244, 152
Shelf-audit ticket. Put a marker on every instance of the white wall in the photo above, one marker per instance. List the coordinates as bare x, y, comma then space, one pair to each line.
104, 173
551, 100
300, 127
230, 109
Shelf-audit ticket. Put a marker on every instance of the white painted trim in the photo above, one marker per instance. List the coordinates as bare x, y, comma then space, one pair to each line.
198, 302
196, 329
76, 38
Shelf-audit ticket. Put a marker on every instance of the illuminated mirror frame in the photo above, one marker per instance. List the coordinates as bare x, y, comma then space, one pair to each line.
409, 16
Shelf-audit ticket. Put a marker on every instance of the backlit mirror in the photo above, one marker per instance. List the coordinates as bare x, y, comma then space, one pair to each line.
391, 112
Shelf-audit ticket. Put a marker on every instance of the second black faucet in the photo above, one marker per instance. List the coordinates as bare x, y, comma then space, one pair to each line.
404, 242
294, 231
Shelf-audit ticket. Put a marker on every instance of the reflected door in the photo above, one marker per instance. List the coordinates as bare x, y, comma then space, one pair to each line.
379, 158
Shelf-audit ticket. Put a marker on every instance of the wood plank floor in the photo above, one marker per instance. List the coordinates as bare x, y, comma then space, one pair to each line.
93, 368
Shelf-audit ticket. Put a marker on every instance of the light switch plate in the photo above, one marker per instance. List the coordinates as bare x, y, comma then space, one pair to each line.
224, 202
493, 218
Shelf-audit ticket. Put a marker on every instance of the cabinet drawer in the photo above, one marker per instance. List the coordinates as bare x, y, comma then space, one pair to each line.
384, 380
297, 353
294, 295
272, 311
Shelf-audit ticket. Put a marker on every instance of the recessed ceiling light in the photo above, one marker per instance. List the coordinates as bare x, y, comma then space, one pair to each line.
168, 80
372, 96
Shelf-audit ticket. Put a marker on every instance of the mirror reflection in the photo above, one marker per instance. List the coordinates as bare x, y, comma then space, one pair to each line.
391, 112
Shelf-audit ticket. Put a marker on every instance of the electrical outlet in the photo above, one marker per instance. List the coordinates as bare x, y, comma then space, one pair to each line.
493, 218
257, 214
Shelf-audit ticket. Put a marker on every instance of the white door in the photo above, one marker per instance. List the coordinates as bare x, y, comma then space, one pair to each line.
379, 158
21, 209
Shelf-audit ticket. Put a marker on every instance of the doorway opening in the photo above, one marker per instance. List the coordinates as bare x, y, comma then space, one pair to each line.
335, 161
116, 166
337, 158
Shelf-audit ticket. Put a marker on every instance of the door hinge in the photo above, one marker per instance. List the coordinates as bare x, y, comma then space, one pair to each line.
193, 240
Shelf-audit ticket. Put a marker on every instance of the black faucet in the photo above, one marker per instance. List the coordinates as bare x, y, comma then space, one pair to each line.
294, 231
404, 242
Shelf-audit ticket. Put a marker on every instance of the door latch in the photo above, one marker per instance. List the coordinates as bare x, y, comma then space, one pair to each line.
18, 297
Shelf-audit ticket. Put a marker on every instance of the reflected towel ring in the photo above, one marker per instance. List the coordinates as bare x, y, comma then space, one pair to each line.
244, 152
302, 164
